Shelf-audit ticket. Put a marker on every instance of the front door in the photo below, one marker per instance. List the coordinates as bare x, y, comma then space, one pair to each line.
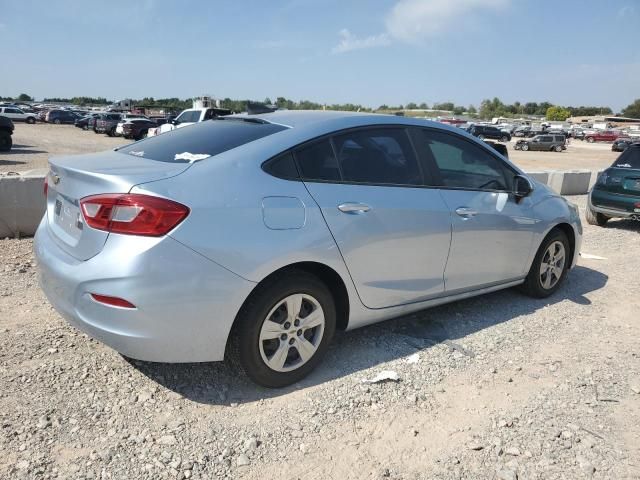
492, 231
392, 231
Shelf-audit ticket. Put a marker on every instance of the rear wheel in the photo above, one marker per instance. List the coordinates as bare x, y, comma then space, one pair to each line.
5, 141
558, 148
596, 218
284, 329
525, 147
57, 121
549, 267
504, 139
31, 120
590, 139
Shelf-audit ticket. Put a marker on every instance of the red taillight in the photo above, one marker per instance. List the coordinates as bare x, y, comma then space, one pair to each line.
113, 301
132, 214
45, 187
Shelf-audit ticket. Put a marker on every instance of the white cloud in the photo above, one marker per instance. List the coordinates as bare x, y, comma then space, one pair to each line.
413, 21
349, 41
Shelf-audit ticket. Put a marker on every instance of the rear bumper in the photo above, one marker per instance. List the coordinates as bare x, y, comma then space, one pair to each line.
185, 304
614, 205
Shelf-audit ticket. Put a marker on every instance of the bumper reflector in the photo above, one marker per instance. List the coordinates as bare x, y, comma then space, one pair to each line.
112, 301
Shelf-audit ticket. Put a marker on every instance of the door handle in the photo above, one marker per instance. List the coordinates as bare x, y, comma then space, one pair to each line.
354, 208
466, 212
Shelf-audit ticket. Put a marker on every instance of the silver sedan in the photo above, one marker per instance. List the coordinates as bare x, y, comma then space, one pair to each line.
261, 234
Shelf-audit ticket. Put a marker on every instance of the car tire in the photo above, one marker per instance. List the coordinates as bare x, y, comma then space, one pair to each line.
31, 120
253, 343
590, 139
504, 139
516, 147
57, 121
558, 148
525, 147
554, 257
595, 218
5, 141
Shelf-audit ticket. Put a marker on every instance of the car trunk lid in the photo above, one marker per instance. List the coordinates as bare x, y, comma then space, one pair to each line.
71, 178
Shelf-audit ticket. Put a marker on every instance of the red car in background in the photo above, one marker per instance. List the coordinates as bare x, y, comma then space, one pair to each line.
603, 136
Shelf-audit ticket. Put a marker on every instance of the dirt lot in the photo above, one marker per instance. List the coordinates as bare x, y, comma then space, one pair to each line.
34, 144
497, 387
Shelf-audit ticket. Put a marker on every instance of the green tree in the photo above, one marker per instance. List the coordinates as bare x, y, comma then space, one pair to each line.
557, 113
458, 110
424, 106
471, 110
632, 110
23, 97
411, 106
448, 106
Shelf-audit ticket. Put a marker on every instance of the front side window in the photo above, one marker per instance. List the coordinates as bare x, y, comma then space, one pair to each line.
377, 155
464, 165
189, 117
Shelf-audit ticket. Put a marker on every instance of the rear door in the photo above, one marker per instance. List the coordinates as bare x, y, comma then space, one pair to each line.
492, 232
392, 231
623, 177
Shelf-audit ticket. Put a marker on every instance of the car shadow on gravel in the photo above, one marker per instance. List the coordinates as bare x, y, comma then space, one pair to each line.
221, 383
11, 162
23, 151
624, 224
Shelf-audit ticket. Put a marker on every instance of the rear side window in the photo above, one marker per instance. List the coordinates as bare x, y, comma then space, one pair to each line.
282, 166
464, 165
630, 158
378, 156
317, 162
205, 139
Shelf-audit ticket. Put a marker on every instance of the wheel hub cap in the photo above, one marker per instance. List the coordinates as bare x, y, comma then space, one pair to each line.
552, 265
291, 333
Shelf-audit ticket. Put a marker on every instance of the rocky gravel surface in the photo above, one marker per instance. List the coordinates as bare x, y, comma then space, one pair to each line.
497, 387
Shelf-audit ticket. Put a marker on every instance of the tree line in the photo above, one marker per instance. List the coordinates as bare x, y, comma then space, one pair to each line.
489, 108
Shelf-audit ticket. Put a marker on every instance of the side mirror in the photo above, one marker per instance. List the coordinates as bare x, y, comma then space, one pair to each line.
522, 187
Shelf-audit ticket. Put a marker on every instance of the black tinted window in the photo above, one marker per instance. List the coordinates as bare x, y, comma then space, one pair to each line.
283, 166
380, 156
189, 117
206, 138
317, 162
630, 158
463, 164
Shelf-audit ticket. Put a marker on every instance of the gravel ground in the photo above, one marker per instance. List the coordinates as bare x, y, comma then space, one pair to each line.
497, 387
34, 144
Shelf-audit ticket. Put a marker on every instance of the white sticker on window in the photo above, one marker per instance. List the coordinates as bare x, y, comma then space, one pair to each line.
191, 157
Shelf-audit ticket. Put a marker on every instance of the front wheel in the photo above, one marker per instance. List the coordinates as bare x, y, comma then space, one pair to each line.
504, 139
550, 266
595, 218
590, 139
57, 121
284, 329
31, 120
525, 147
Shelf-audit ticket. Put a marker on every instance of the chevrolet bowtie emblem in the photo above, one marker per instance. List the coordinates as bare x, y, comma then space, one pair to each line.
56, 179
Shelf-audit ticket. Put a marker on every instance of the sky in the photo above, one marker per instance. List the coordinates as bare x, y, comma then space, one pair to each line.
371, 52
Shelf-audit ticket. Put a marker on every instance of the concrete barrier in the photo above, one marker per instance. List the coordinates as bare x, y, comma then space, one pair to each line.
22, 203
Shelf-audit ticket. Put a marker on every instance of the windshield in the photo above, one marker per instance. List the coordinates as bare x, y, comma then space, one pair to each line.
630, 158
201, 140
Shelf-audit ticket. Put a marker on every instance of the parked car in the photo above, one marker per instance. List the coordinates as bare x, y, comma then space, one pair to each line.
616, 194
119, 132
621, 144
501, 148
107, 123
60, 116
602, 136
6, 130
521, 131
189, 117
547, 143
137, 128
85, 122
487, 131
267, 232
17, 115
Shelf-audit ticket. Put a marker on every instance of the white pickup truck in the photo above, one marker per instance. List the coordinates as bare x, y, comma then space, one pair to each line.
189, 117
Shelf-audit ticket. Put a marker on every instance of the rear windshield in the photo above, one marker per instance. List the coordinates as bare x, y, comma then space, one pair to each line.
202, 140
630, 158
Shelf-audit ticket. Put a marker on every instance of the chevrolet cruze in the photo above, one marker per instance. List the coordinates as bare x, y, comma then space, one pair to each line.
260, 235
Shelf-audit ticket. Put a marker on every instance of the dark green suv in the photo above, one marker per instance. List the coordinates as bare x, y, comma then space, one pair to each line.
616, 194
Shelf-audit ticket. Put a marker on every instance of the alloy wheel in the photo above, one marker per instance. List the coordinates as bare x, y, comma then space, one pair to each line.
291, 333
552, 265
